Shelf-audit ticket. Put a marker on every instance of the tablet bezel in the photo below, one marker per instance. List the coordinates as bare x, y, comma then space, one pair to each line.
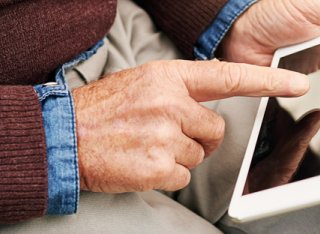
275, 200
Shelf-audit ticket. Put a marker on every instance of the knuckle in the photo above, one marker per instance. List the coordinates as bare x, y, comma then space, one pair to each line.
157, 67
219, 128
185, 179
182, 181
201, 155
161, 171
198, 154
158, 158
165, 134
233, 75
161, 166
152, 69
218, 131
151, 177
270, 84
148, 67
175, 105
217, 125
165, 75
189, 71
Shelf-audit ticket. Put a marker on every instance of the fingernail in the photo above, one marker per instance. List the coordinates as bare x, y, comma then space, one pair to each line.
300, 84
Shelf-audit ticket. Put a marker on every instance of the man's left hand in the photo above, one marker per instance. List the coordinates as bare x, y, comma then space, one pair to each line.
269, 25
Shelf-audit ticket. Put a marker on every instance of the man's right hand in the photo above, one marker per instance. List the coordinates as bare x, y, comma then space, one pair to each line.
143, 128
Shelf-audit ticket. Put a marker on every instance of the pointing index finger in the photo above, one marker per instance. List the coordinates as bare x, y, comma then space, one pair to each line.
209, 80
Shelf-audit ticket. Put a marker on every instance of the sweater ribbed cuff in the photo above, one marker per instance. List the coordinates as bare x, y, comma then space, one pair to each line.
23, 163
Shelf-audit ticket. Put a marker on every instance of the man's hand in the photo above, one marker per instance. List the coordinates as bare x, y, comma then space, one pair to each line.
269, 25
143, 128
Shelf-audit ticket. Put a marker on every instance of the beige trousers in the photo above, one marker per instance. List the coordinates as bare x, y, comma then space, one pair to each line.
132, 41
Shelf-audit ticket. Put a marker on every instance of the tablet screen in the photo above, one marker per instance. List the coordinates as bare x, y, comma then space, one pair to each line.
288, 146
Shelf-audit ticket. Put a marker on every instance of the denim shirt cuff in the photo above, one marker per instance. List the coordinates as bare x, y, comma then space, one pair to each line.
209, 41
60, 129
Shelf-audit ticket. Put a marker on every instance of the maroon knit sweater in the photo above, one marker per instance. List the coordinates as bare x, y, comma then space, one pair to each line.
36, 36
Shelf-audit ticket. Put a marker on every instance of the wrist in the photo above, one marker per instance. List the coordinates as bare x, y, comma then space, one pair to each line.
77, 97
239, 45
215, 36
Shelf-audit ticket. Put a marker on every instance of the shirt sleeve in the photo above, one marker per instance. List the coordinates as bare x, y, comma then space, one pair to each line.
196, 26
183, 20
36, 37
61, 140
210, 39
61, 151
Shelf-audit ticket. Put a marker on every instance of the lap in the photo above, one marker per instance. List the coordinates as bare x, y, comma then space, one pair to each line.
139, 213
210, 190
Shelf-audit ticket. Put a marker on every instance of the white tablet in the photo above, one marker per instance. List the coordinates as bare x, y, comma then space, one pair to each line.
281, 168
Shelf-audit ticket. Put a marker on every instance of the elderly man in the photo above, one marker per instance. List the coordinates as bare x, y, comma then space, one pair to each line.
141, 128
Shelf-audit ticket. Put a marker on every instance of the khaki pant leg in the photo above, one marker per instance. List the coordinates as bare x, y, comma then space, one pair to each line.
132, 213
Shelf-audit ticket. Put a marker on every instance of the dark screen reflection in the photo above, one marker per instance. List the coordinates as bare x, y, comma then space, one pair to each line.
288, 146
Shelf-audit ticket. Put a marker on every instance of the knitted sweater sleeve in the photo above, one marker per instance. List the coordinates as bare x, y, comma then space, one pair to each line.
5, 3
23, 164
183, 20
36, 37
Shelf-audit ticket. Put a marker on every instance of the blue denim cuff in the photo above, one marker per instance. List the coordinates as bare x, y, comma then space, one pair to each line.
60, 130
209, 41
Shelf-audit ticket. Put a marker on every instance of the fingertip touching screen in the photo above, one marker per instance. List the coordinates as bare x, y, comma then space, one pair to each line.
288, 145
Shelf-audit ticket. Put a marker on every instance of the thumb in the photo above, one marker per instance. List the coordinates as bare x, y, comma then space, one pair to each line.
307, 127
300, 139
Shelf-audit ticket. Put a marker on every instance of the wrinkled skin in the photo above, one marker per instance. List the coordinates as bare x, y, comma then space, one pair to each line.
143, 128
269, 25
